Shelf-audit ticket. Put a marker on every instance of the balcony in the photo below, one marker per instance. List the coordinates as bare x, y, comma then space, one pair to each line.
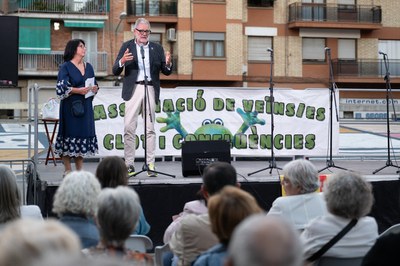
48, 64
94, 7
307, 15
152, 8
365, 68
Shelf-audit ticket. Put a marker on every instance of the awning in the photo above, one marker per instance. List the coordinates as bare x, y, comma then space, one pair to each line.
34, 36
84, 23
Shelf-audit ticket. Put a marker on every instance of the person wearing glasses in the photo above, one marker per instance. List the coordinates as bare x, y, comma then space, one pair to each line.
142, 61
76, 87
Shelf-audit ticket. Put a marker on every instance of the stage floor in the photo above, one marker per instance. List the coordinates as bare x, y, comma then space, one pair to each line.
244, 166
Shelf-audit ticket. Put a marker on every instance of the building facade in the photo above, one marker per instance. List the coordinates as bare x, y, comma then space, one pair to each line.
226, 44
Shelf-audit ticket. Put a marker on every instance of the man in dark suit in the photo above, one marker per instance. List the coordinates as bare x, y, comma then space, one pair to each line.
143, 61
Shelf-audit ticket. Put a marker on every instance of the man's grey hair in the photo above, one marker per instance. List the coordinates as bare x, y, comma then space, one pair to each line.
142, 21
262, 240
77, 194
302, 173
118, 213
348, 195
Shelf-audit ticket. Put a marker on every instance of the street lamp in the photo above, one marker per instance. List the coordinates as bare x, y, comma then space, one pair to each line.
121, 17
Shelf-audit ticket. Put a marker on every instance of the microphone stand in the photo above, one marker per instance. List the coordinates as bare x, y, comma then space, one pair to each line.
146, 102
332, 98
388, 90
272, 162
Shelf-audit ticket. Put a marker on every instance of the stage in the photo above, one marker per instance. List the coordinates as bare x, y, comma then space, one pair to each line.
164, 196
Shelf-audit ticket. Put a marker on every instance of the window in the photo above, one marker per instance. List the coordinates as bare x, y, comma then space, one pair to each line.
313, 49
257, 48
90, 38
260, 3
347, 49
390, 47
209, 44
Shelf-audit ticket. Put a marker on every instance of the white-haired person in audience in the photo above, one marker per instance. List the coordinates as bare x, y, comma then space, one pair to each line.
112, 172
75, 202
24, 241
226, 210
118, 211
348, 197
262, 240
11, 207
302, 202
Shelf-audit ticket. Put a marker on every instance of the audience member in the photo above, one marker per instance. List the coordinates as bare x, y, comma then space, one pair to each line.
384, 251
197, 207
194, 236
112, 172
10, 199
303, 203
226, 210
26, 240
75, 203
349, 197
118, 212
264, 241
52, 260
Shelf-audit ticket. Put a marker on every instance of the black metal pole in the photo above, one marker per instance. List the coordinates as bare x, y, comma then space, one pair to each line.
388, 90
272, 162
332, 99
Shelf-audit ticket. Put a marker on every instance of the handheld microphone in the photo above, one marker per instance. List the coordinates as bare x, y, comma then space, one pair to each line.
270, 50
142, 51
382, 53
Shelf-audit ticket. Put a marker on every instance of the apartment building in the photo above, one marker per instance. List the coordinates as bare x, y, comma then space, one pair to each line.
226, 43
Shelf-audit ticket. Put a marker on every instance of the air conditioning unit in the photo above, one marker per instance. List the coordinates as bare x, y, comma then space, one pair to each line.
171, 35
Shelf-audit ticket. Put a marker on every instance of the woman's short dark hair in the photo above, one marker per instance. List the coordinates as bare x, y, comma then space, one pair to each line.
71, 48
112, 172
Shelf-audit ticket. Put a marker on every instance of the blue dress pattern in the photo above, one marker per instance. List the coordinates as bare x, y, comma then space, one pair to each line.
76, 135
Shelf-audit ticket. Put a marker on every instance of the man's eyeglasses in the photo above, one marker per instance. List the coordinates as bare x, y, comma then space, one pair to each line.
143, 31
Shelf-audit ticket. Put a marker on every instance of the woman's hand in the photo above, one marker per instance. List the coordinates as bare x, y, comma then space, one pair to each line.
95, 88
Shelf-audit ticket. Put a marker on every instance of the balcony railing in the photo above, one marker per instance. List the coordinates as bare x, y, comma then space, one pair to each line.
365, 68
48, 64
60, 6
152, 8
303, 12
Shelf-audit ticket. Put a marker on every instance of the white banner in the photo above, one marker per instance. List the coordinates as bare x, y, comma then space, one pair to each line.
242, 116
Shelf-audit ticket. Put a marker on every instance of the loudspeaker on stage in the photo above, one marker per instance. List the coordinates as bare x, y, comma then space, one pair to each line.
196, 155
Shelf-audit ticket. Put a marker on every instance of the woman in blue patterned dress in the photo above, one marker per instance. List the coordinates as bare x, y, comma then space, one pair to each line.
76, 135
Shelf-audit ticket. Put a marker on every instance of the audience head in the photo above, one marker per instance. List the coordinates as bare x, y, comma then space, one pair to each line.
262, 240
348, 195
112, 172
228, 208
216, 176
117, 214
10, 200
300, 177
26, 240
77, 194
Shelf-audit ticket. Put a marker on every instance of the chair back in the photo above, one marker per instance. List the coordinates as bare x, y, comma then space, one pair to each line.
332, 261
139, 243
394, 229
159, 251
